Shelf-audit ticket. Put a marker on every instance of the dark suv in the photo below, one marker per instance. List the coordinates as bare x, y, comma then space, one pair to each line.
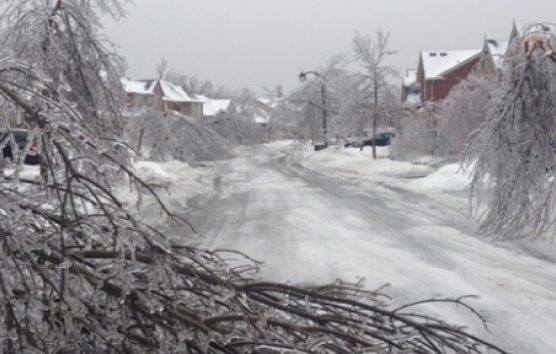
21, 137
380, 139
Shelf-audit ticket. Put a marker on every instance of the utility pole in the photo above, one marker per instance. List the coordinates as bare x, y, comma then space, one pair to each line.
324, 111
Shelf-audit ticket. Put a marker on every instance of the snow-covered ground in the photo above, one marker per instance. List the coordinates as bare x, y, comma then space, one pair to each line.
27, 172
177, 183
353, 162
447, 185
314, 217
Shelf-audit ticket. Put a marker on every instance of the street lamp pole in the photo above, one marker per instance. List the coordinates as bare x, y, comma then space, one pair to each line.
303, 77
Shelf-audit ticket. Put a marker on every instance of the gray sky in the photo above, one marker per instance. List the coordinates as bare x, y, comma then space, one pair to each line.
256, 43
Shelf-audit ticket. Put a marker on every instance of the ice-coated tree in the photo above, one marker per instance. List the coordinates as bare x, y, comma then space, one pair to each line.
195, 86
171, 136
417, 133
371, 54
81, 274
162, 69
317, 100
356, 106
238, 124
513, 152
464, 110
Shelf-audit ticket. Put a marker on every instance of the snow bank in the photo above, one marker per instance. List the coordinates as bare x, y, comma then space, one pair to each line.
356, 162
449, 178
417, 176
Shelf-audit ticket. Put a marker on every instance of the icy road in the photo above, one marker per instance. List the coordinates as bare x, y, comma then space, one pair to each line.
310, 227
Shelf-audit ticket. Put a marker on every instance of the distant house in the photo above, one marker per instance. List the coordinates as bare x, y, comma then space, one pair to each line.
439, 71
264, 108
163, 96
142, 93
214, 106
256, 110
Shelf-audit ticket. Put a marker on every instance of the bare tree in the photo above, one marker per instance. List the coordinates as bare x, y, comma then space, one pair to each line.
371, 55
82, 274
513, 152
162, 69
318, 100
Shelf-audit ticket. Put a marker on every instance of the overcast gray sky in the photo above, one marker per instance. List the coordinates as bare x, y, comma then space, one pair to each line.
256, 43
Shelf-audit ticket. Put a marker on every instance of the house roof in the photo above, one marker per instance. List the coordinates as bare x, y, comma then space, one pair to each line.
170, 92
437, 63
213, 106
174, 93
141, 87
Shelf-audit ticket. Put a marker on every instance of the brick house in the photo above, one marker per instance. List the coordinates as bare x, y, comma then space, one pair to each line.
163, 96
439, 71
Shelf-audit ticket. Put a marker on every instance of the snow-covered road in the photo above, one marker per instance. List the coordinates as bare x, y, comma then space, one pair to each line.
312, 228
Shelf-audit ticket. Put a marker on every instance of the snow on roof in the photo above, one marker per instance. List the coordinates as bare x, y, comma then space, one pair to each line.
270, 102
262, 119
170, 92
174, 93
436, 63
141, 87
497, 49
213, 106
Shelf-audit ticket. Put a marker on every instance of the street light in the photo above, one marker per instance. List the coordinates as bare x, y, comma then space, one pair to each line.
303, 77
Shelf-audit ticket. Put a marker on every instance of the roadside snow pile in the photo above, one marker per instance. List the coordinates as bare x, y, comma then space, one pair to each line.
174, 181
361, 163
449, 178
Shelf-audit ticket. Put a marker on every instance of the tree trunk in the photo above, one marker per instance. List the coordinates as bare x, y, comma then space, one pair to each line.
375, 113
140, 143
324, 113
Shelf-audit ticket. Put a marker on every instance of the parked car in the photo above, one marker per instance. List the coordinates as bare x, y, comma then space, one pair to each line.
380, 139
21, 136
